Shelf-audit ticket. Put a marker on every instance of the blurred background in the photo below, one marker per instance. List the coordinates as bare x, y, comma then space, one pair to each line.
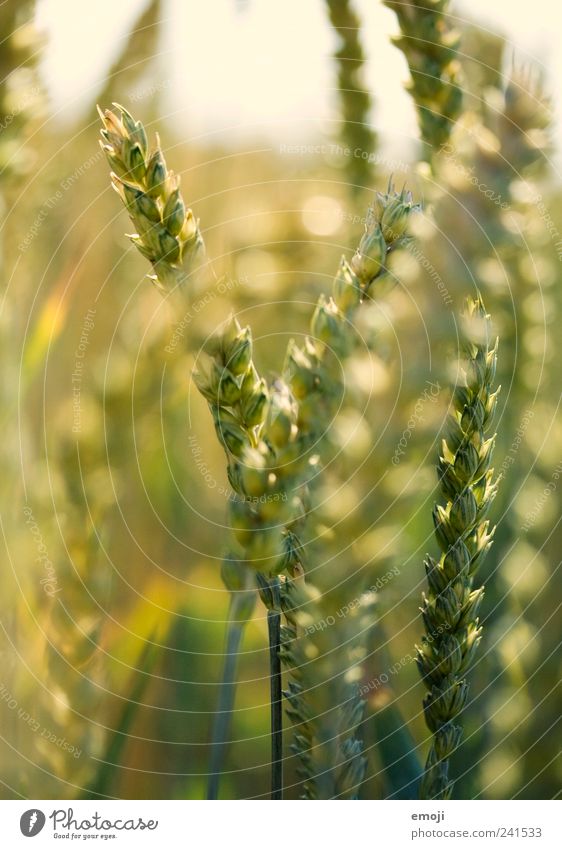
113, 494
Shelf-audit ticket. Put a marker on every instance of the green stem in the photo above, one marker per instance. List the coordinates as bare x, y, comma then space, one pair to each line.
223, 716
274, 630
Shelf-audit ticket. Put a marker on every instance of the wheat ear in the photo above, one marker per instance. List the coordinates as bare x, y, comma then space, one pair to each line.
167, 233
450, 609
430, 45
356, 132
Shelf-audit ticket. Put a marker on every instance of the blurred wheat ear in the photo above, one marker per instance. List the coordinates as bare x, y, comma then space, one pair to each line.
450, 609
430, 45
356, 132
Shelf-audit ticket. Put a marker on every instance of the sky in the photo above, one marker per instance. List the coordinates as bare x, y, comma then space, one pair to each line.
235, 68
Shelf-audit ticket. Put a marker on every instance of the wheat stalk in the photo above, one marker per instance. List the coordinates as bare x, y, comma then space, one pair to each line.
246, 413
243, 409
268, 434
450, 609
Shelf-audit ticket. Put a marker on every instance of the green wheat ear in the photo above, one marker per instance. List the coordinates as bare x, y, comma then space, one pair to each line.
167, 233
450, 609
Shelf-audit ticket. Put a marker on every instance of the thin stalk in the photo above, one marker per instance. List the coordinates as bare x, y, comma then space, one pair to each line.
274, 630
227, 692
